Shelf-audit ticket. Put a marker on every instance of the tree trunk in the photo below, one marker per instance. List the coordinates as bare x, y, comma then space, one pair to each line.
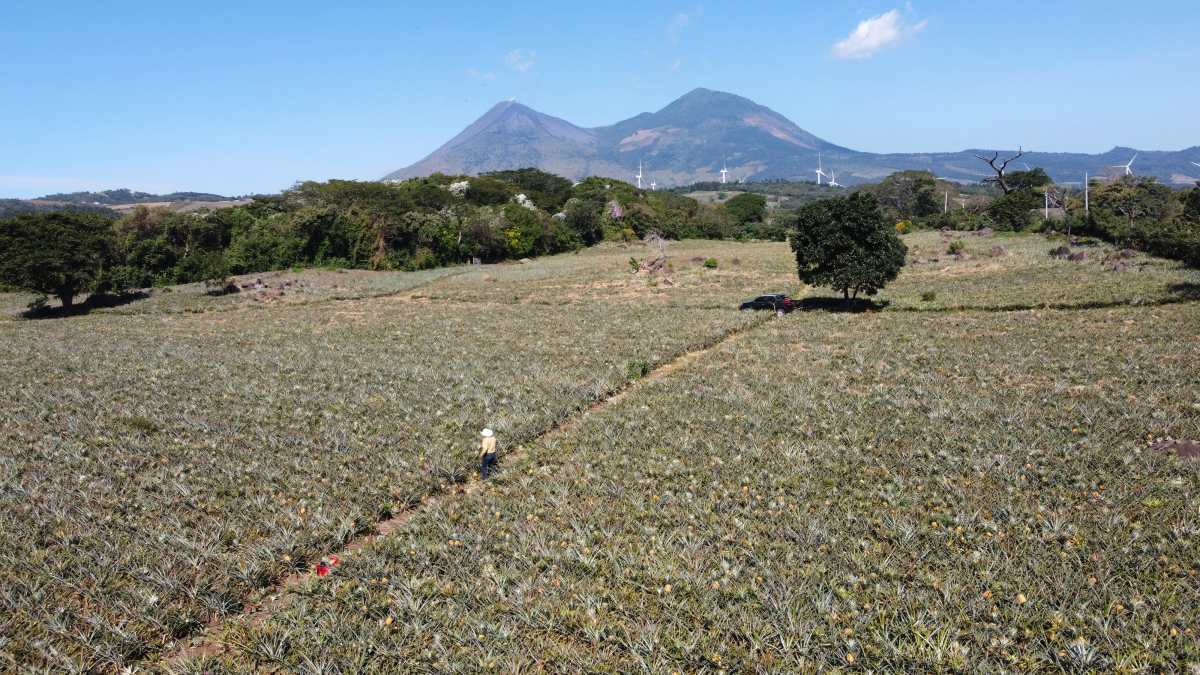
846, 293
67, 299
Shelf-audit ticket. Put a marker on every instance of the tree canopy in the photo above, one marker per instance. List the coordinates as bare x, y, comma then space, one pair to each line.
548, 191
747, 208
57, 254
1142, 213
848, 245
413, 224
908, 195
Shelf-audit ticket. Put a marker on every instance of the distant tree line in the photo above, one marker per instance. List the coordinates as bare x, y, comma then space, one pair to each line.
1138, 212
446, 220
17, 207
126, 196
1142, 213
792, 194
411, 225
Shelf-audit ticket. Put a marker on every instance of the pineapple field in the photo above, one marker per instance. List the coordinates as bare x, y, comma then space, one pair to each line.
978, 474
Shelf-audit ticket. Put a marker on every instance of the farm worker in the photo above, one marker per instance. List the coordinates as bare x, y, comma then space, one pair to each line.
487, 452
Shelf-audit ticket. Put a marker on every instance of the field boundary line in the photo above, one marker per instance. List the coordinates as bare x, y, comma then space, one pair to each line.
1048, 306
289, 305
262, 603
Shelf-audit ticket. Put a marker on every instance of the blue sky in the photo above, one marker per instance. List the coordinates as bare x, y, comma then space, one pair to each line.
246, 97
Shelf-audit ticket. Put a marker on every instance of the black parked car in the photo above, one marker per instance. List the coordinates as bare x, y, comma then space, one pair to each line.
776, 302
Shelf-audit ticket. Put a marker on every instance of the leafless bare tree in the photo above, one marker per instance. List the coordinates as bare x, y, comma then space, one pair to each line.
999, 169
656, 264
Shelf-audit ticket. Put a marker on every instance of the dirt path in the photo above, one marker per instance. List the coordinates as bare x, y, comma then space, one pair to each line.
266, 602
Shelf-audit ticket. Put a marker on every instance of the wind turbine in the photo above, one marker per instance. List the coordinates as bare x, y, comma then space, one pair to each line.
639, 174
653, 186
833, 180
820, 172
1196, 164
1128, 167
724, 171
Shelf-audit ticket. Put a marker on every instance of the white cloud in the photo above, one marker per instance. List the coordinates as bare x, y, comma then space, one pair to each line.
877, 33
675, 65
521, 60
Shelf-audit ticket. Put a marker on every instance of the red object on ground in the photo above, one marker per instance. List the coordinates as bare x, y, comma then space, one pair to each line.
322, 569
334, 560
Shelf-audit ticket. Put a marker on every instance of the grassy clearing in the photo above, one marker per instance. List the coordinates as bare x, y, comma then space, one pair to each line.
1016, 271
160, 466
891, 491
603, 273
287, 288
269, 289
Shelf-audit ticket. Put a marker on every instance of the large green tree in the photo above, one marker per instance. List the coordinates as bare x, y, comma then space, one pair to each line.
1124, 209
56, 254
747, 208
847, 244
908, 195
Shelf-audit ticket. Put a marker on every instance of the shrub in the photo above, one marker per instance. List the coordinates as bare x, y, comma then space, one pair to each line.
1191, 205
773, 229
207, 266
1013, 211
714, 224
928, 296
960, 220
956, 247
641, 219
637, 369
266, 246
585, 220
218, 287
848, 245
710, 263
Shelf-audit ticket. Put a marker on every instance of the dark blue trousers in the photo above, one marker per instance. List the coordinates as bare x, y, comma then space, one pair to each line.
486, 464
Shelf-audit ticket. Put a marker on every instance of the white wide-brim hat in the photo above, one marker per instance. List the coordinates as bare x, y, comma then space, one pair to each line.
486, 433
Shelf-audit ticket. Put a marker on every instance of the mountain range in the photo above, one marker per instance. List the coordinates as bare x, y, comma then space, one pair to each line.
113, 202
123, 196
694, 137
